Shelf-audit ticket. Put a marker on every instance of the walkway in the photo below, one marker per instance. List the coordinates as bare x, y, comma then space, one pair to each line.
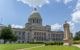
77, 45
31, 47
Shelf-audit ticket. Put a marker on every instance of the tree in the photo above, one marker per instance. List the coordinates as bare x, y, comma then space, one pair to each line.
14, 38
77, 36
7, 34
0, 34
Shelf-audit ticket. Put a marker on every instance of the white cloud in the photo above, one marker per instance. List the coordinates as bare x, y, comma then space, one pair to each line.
76, 17
77, 5
35, 3
55, 27
72, 25
64, 1
76, 14
16, 26
67, 1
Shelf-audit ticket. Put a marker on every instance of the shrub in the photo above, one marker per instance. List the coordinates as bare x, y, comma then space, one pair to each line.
54, 43
37, 42
76, 42
48, 43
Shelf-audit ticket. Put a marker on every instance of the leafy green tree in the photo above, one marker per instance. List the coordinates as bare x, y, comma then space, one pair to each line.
0, 34
14, 38
77, 36
7, 34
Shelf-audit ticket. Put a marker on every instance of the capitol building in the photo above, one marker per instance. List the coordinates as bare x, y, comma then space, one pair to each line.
34, 31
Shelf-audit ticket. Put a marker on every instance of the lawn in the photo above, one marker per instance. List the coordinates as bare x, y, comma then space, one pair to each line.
20, 46
56, 48
16, 46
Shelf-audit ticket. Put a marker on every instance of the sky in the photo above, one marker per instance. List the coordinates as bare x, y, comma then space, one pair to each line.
53, 12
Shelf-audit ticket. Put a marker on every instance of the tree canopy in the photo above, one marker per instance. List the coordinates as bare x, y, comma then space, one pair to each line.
77, 36
6, 34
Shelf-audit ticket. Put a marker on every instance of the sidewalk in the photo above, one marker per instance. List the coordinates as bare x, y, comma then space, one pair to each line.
31, 47
77, 45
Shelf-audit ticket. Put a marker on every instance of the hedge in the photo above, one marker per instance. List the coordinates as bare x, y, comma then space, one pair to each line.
76, 42
48, 43
37, 42
54, 43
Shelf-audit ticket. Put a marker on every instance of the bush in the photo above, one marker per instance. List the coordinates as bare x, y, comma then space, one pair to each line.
76, 42
37, 42
48, 43
54, 43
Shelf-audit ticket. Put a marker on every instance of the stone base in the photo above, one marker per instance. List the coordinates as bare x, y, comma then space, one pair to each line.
68, 44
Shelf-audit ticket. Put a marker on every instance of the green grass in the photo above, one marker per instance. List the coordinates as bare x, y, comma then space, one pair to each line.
56, 48
16, 46
20, 46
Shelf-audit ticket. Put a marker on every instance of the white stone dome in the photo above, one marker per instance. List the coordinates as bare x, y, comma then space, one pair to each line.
35, 14
35, 18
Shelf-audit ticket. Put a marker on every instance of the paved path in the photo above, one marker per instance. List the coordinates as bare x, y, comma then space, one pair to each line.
77, 45
31, 47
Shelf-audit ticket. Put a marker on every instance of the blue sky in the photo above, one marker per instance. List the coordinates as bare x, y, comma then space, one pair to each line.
53, 13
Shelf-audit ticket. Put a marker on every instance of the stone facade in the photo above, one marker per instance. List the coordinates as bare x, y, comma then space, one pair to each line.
34, 35
34, 31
